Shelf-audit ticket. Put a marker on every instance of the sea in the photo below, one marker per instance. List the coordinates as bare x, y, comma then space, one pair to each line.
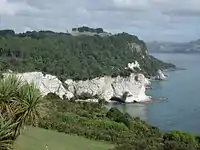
178, 97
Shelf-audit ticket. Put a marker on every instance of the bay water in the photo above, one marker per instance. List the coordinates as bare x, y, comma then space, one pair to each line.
179, 108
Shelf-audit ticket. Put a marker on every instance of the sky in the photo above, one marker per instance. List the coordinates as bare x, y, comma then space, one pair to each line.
150, 20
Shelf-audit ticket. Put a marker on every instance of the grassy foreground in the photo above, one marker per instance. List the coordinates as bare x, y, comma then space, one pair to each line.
37, 139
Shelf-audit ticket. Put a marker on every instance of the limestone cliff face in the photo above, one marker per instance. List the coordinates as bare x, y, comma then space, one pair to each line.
133, 65
134, 86
45, 83
160, 75
137, 47
97, 86
127, 89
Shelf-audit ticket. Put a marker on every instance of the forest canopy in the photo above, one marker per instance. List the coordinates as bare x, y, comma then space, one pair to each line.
75, 57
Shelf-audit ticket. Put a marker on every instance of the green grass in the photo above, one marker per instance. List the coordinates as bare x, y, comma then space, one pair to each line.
37, 139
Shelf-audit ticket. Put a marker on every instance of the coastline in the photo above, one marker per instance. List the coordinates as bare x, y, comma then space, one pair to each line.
128, 89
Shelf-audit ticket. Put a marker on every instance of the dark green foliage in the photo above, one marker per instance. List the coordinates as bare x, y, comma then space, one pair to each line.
174, 140
6, 132
102, 102
141, 144
90, 120
75, 57
20, 105
115, 115
7, 33
179, 136
87, 29
93, 121
52, 96
85, 96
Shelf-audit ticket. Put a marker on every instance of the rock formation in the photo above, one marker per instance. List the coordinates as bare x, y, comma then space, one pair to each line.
134, 65
129, 89
45, 83
160, 75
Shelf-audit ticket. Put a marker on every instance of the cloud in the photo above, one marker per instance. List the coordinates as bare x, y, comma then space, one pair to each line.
11, 7
132, 5
179, 7
149, 19
6, 8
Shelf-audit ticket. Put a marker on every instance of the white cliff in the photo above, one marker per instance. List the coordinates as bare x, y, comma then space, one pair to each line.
97, 86
129, 89
134, 86
45, 83
134, 65
160, 75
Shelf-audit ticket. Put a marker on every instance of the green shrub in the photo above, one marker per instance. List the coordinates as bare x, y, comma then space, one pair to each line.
110, 125
115, 115
93, 121
197, 139
140, 144
179, 136
85, 96
52, 96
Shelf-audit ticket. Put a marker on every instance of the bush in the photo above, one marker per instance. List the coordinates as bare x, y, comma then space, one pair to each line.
181, 137
22, 104
85, 96
52, 96
93, 121
115, 115
140, 144
110, 125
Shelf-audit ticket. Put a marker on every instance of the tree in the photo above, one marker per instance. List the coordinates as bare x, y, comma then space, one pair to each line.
6, 131
29, 106
20, 102
75, 57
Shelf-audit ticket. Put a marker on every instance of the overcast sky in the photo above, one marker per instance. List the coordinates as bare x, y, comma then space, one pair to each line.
162, 20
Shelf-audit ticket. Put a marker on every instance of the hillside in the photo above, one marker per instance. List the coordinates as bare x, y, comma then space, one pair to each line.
170, 47
23, 106
40, 139
93, 121
75, 57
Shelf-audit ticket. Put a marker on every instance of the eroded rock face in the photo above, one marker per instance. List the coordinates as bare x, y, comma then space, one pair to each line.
46, 83
134, 65
160, 75
127, 89
137, 47
134, 86
97, 86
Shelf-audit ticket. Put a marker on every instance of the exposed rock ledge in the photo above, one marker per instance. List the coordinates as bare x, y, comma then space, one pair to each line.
160, 75
129, 89
46, 83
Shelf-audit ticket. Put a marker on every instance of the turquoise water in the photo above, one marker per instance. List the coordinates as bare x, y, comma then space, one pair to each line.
181, 109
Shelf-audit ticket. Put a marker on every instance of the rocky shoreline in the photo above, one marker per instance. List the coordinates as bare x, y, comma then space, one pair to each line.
131, 89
